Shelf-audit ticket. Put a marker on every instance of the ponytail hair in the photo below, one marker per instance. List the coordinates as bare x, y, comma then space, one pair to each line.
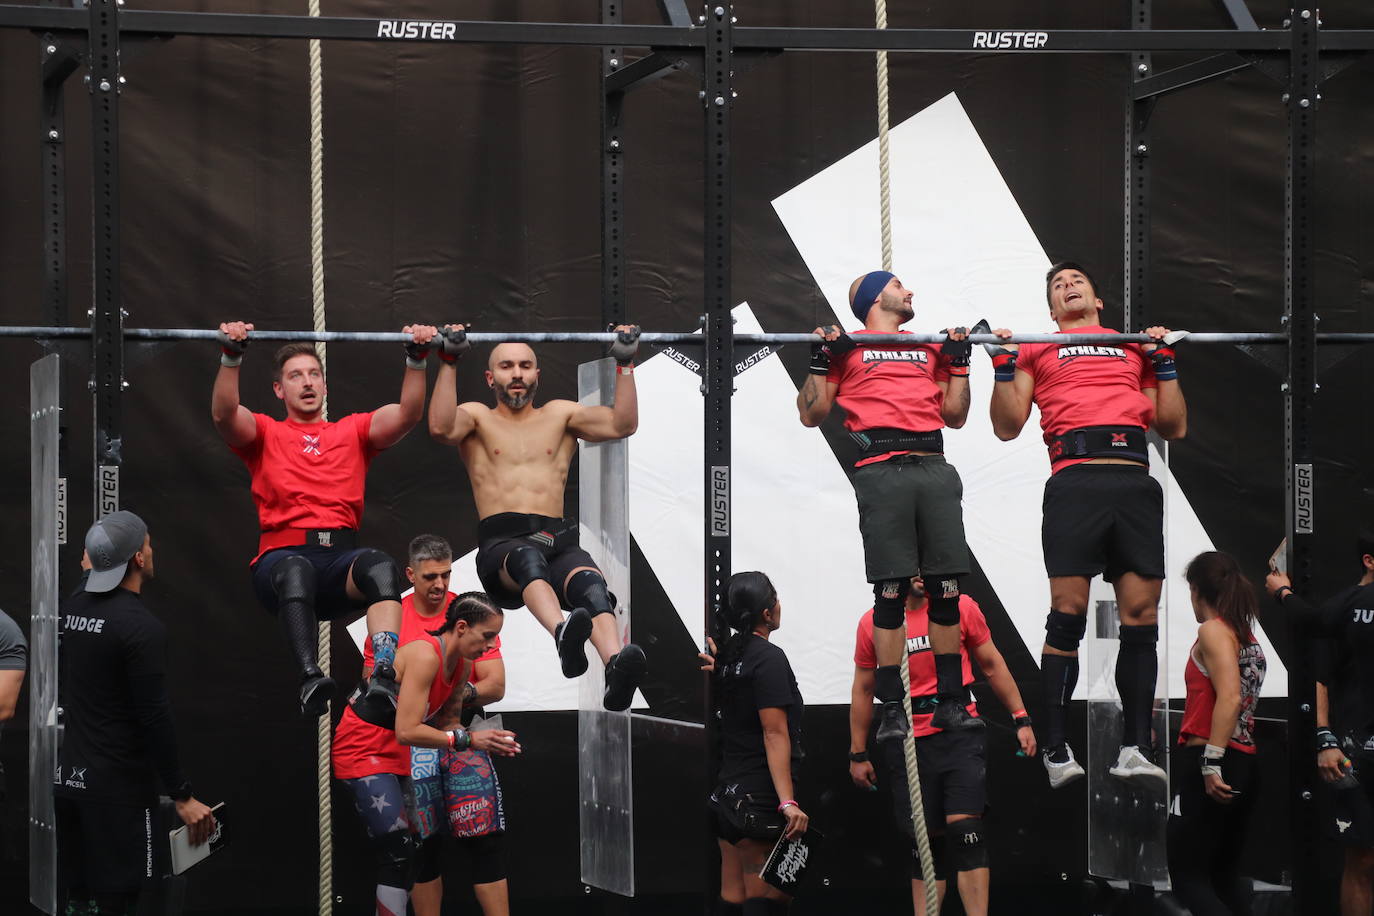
1217, 578
747, 596
470, 607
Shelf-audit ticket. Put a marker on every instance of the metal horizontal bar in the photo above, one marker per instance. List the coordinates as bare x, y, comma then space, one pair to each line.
1036, 41
167, 22
1346, 40
672, 337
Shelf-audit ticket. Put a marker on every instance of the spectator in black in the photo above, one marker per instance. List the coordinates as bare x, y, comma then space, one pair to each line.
760, 712
1345, 716
118, 740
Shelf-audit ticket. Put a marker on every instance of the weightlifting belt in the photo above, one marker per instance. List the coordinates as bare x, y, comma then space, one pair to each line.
551, 533
927, 702
1101, 442
881, 440
336, 538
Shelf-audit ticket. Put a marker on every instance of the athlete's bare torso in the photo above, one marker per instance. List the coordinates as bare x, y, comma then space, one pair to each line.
518, 461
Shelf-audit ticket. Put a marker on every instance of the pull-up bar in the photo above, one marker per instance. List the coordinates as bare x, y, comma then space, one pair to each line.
675, 337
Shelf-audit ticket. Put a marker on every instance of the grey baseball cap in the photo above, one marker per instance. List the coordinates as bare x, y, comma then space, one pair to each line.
110, 544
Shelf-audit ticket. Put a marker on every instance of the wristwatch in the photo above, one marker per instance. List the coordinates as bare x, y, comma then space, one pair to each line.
182, 792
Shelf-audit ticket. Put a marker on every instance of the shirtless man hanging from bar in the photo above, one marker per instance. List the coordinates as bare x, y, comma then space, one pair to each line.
517, 456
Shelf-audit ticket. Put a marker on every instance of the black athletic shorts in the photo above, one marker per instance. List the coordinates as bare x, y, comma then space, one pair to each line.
1103, 518
744, 811
911, 517
1352, 812
103, 847
331, 578
953, 767
555, 538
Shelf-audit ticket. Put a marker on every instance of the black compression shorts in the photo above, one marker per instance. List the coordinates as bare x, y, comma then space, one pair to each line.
555, 538
331, 579
1103, 518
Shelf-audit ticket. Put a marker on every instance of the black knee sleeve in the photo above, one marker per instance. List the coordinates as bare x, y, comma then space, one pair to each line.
587, 588
396, 859
429, 861
967, 849
487, 857
939, 858
376, 576
293, 579
525, 565
944, 600
1065, 631
889, 603
726, 908
1143, 636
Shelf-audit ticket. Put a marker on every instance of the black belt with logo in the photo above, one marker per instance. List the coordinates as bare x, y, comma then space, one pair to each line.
881, 440
1101, 442
927, 702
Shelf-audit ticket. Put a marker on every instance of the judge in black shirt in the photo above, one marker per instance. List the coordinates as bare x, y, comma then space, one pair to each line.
118, 740
1345, 734
760, 746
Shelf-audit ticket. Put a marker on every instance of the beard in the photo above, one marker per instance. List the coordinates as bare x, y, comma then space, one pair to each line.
517, 400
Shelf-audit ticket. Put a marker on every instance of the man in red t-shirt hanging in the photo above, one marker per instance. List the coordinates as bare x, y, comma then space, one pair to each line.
897, 398
1103, 512
308, 480
952, 764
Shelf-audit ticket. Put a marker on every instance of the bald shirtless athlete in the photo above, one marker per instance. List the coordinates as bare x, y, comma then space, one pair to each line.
517, 457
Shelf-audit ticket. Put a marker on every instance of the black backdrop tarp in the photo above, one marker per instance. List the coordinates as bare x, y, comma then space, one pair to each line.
462, 184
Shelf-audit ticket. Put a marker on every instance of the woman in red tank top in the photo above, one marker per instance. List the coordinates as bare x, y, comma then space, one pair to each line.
373, 761
1213, 777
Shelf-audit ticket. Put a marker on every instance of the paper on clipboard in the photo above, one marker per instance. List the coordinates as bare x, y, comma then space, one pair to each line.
1278, 561
184, 855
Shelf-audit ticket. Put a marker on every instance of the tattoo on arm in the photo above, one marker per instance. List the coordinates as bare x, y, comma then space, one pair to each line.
809, 392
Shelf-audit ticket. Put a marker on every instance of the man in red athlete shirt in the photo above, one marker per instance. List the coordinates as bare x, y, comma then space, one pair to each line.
897, 398
1104, 513
952, 764
308, 481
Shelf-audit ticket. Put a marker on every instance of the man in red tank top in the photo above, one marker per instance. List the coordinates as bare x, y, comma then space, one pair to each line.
897, 399
308, 481
1104, 513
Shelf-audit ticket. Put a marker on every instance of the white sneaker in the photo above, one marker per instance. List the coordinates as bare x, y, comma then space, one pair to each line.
1132, 764
1061, 774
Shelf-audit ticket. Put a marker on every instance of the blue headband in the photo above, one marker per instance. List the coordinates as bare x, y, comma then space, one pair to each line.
869, 288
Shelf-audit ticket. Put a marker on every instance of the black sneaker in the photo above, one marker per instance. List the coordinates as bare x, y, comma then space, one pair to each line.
952, 714
893, 722
317, 689
571, 637
382, 686
624, 672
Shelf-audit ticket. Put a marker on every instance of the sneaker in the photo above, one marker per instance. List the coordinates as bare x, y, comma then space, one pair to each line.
1132, 763
316, 691
953, 715
893, 722
382, 686
624, 672
570, 637
1063, 772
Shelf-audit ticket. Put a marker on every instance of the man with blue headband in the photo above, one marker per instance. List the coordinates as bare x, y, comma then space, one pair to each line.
897, 398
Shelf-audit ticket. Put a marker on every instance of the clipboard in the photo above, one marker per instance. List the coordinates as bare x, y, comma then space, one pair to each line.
184, 855
1278, 560
792, 864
